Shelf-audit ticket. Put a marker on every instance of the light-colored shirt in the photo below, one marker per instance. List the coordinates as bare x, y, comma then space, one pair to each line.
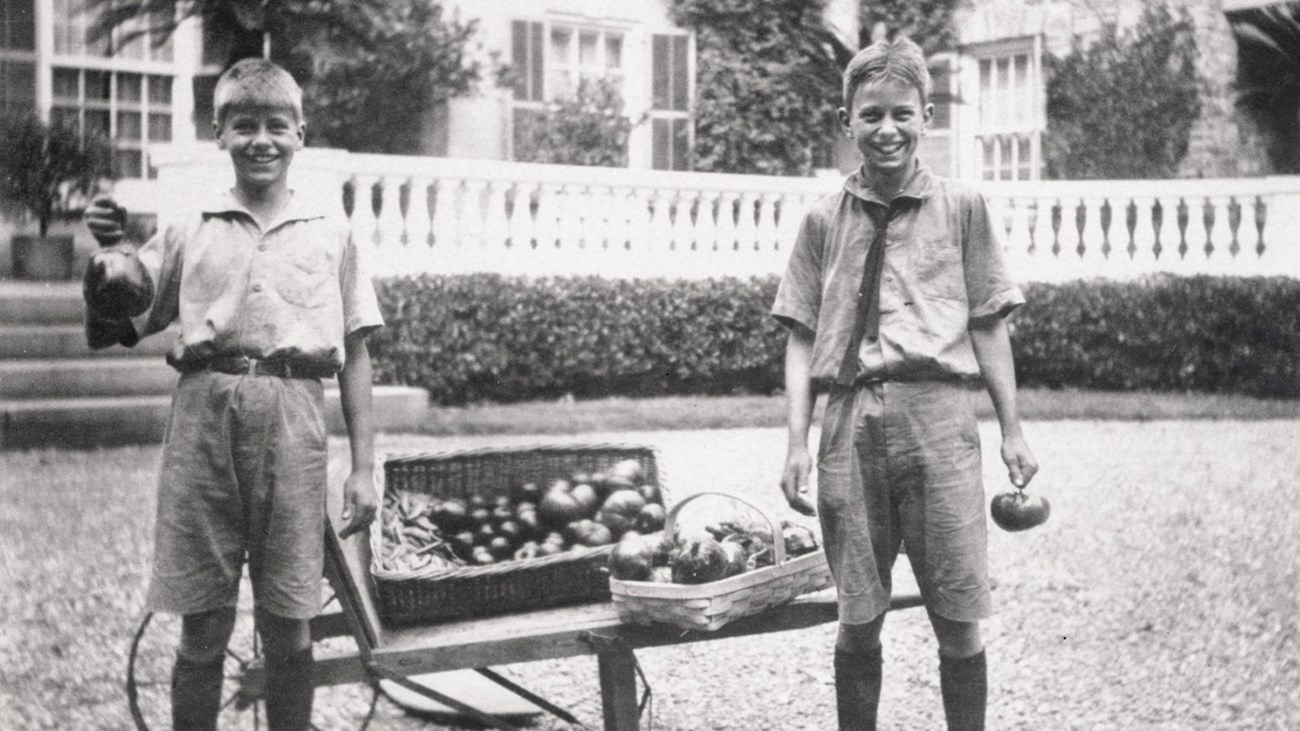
945, 265
292, 290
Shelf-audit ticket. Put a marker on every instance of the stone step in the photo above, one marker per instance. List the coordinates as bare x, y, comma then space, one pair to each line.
46, 378
91, 422
40, 303
55, 340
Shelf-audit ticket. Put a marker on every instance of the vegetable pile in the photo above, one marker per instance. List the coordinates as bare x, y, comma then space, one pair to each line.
723, 550
421, 531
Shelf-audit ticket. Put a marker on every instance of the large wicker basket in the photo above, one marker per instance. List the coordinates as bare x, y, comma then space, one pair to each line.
574, 576
712, 605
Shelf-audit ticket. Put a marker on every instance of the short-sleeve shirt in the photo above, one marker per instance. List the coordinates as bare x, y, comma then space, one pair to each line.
294, 290
944, 266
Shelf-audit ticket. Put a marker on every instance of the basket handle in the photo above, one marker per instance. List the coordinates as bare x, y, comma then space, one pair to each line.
778, 536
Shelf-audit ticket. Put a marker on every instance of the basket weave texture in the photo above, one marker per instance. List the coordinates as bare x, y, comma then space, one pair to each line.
432, 594
712, 605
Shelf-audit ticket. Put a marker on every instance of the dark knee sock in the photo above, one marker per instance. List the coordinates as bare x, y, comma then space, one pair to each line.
196, 694
290, 685
965, 686
857, 688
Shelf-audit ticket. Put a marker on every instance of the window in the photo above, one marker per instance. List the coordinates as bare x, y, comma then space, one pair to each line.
17, 57
132, 109
549, 60
1009, 126
936, 147
670, 103
72, 21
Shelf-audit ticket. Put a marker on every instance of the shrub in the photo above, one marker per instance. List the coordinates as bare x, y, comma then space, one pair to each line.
487, 337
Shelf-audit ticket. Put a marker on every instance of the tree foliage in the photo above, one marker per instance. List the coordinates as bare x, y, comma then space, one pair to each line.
369, 68
927, 22
768, 84
1123, 106
42, 165
1268, 78
586, 128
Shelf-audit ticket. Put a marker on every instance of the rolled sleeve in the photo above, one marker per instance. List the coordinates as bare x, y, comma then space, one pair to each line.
990, 289
798, 297
361, 314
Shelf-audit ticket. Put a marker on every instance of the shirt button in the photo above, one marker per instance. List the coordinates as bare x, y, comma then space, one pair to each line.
257, 287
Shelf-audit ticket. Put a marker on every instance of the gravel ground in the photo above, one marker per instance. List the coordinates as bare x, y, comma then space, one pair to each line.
1161, 595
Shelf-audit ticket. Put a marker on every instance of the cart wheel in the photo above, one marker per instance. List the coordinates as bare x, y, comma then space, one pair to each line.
148, 681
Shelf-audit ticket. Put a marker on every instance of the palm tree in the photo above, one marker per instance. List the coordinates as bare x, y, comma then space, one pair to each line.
1268, 78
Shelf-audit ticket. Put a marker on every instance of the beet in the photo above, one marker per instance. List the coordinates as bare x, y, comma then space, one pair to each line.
699, 560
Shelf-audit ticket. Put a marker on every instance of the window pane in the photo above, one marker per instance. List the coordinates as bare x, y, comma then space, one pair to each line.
986, 93
588, 45
64, 115
1005, 145
130, 87
681, 144
681, 80
128, 163
662, 144
160, 90
128, 46
940, 96
1023, 91
538, 69
1026, 170
561, 38
989, 166
97, 120
128, 126
519, 57
17, 86
614, 52
98, 86
160, 128
65, 84
63, 27
20, 25
659, 70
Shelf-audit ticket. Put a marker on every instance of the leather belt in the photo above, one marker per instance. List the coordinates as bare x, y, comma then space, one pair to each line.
241, 364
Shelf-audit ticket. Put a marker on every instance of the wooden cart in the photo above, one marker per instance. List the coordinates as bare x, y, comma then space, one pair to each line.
396, 654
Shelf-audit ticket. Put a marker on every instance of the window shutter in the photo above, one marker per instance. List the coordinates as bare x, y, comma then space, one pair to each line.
526, 58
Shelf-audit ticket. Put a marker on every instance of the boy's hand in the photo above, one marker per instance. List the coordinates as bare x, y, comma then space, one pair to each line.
106, 220
359, 504
794, 481
1020, 462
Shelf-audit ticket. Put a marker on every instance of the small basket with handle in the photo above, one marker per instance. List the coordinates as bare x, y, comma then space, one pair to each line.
712, 605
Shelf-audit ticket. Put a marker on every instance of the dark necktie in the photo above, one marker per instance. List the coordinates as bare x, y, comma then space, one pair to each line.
867, 322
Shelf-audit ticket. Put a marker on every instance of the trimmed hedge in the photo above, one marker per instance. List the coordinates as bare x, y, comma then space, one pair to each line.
488, 337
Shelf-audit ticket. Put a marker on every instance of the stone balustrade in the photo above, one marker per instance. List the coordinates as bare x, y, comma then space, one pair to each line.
423, 214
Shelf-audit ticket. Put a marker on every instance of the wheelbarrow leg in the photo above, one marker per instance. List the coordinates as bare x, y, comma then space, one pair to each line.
617, 666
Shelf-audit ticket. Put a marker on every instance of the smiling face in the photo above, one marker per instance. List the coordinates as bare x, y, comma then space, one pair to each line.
261, 141
886, 121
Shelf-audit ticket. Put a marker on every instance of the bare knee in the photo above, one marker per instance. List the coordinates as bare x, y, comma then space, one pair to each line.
956, 639
860, 637
204, 635
282, 636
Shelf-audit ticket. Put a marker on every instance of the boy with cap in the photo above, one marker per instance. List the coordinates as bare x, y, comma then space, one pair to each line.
896, 297
270, 296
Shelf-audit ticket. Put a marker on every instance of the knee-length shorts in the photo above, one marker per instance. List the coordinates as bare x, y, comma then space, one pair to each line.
243, 478
899, 463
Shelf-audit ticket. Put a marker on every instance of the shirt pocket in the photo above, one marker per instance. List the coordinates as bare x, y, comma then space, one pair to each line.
305, 278
937, 266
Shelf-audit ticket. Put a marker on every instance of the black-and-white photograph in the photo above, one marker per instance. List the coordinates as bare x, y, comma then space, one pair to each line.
659, 365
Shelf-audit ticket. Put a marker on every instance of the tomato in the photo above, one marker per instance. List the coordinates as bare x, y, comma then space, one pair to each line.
620, 511
1016, 511
650, 519
589, 533
632, 558
586, 496
559, 508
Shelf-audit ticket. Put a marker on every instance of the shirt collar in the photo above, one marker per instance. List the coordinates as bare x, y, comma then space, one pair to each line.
297, 209
918, 187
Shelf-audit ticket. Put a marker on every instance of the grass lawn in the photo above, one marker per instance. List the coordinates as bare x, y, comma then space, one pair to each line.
567, 416
1161, 595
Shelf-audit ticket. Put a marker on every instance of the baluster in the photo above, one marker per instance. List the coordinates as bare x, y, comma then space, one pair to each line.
618, 232
1067, 236
520, 227
1215, 216
472, 231
418, 225
597, 204
363, 210
660, 246
683, 225
391, 228
446, 225
1095, 237
569, 244
747, 223
640, 242
766, 235
1247, 236
1142, 251
1018, 238
496, 224
1195, 236
547, 230
1046, 264
726, 217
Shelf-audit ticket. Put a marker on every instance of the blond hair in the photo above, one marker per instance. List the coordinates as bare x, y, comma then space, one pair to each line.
256, 82
899, 59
